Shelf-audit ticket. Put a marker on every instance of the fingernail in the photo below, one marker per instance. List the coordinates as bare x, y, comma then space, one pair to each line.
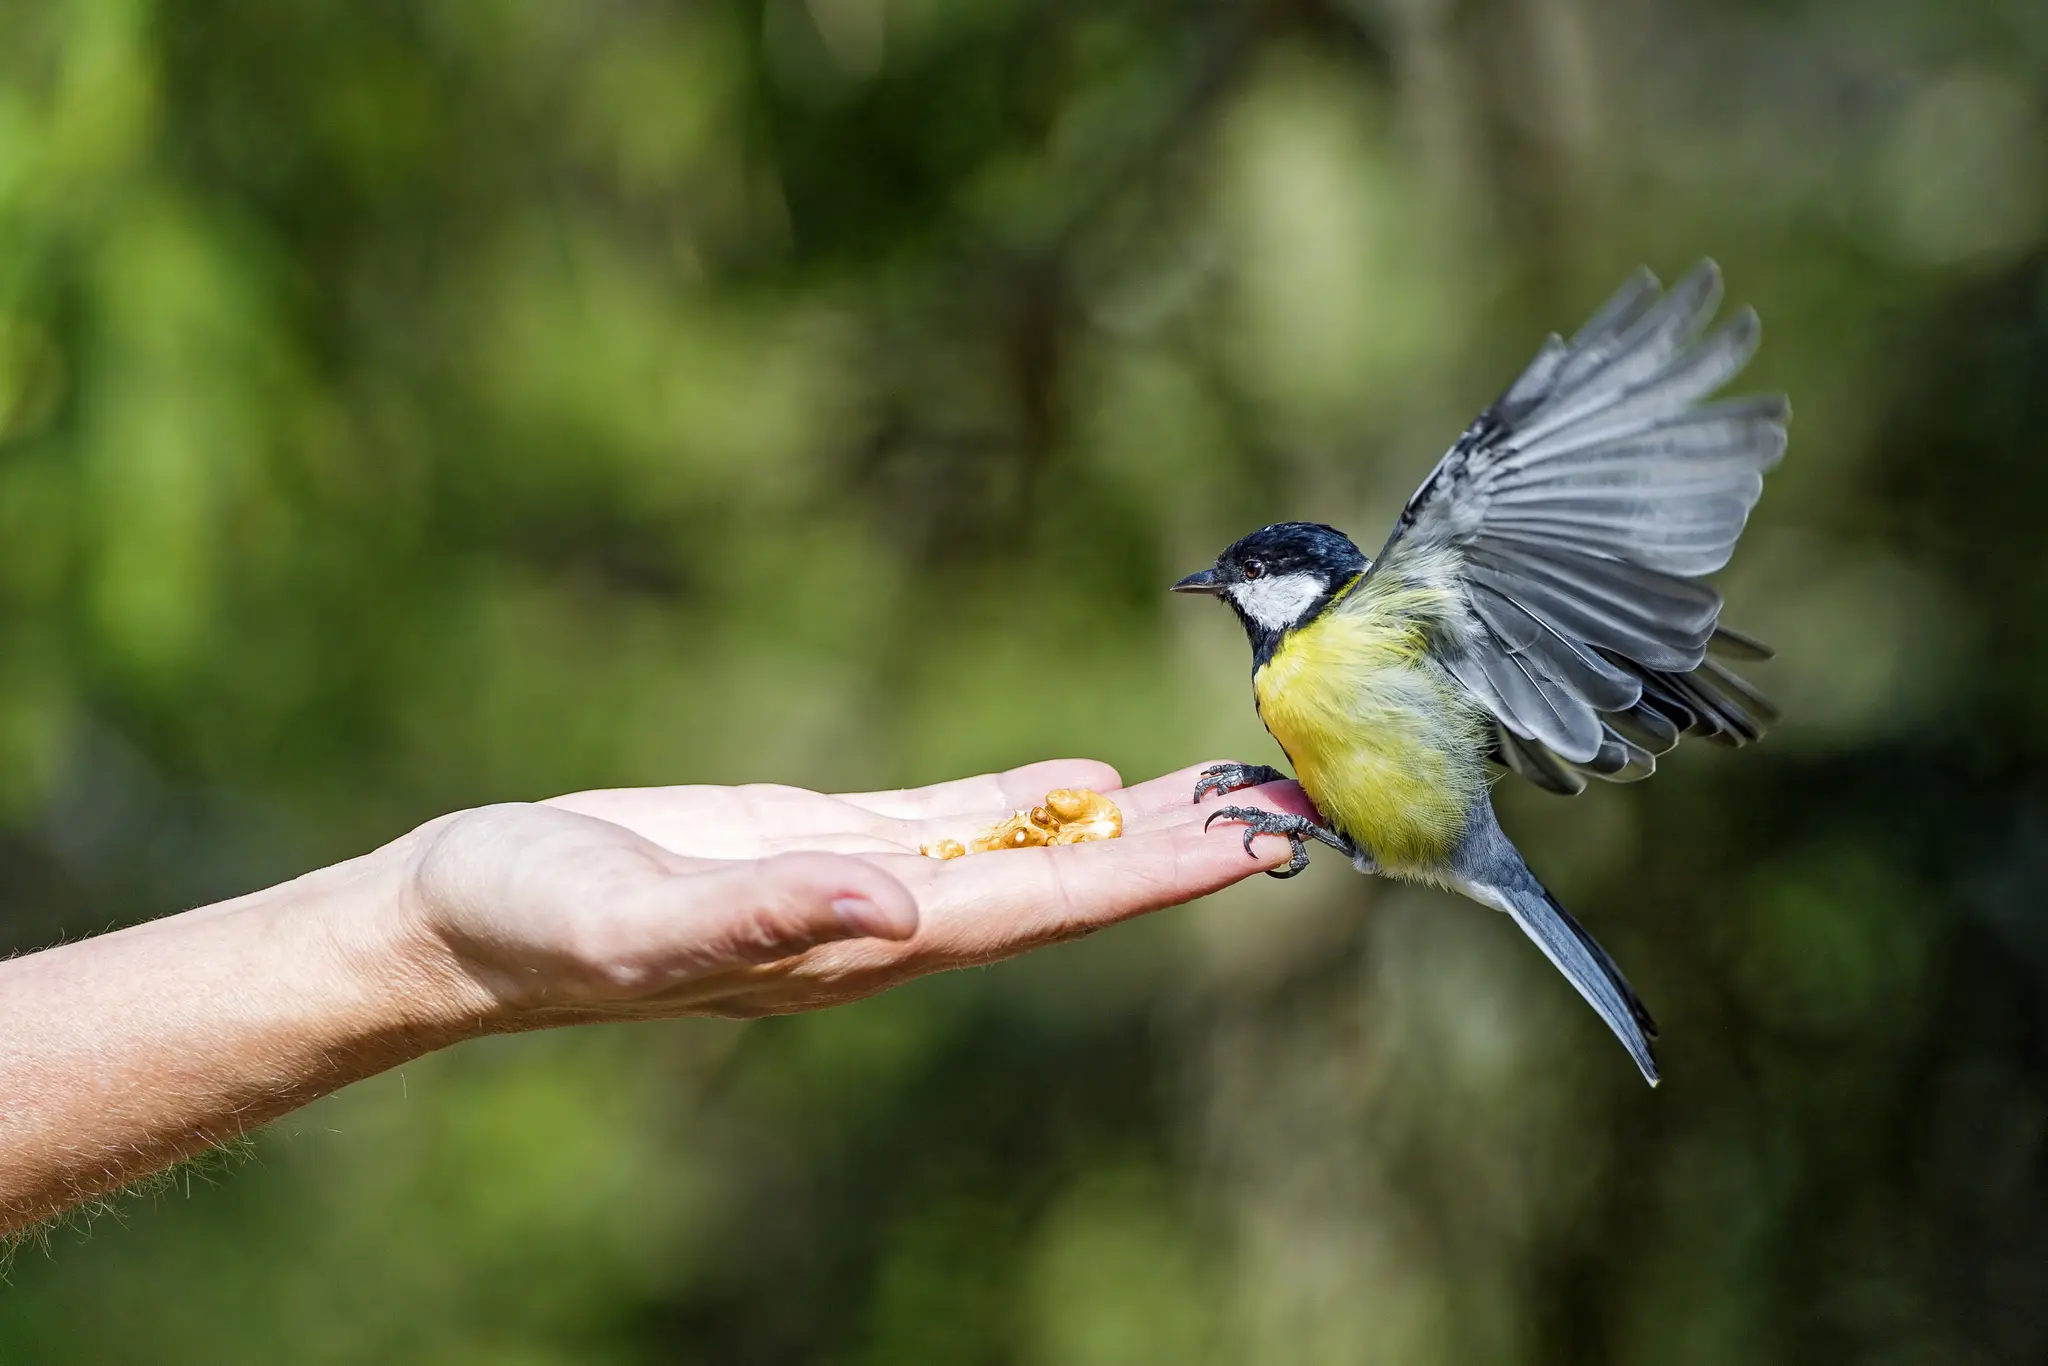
864, 917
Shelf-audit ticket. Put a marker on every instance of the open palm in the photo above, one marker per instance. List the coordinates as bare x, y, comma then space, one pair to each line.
642, 902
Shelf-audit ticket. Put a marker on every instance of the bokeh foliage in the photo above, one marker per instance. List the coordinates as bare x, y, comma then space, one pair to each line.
405, 406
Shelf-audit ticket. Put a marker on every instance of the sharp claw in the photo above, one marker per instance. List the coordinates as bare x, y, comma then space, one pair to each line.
1297, 861
1259, 822
1297, 830
1226, 778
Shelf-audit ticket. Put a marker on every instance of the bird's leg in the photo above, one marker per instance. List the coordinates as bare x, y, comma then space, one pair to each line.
1299, 830
1224, 779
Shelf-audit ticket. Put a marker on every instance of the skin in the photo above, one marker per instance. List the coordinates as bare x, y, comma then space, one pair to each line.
122, 1054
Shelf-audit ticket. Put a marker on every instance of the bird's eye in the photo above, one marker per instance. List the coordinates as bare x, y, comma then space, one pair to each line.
1254, 569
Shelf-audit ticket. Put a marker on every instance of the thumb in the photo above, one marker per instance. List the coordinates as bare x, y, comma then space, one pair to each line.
759, 910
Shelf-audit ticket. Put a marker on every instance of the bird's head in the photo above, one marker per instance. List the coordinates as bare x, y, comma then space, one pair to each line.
1279, 576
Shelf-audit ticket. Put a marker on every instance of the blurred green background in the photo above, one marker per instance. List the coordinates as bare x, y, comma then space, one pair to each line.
406, 406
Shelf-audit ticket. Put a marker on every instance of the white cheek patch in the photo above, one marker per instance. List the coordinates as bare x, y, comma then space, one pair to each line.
1277, 603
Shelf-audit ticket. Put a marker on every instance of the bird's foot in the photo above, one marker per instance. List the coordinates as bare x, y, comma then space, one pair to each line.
1224, 779
1299, 830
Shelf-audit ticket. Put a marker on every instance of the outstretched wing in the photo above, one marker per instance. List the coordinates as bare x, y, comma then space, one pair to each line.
1579, 514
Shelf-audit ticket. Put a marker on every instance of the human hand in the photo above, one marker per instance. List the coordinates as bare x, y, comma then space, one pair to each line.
126, 1051
636, 903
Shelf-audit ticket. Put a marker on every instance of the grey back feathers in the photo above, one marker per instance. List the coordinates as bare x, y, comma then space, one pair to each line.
1584, 506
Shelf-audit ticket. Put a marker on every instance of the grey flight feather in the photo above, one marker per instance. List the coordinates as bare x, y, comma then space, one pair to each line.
1585, 506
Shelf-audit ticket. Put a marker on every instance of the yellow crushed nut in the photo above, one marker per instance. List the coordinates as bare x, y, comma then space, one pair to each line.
1067, 816
1083, 816
1018, 831
1068, 805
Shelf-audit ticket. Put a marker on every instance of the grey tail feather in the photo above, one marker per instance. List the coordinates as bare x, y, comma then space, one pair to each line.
1584, 963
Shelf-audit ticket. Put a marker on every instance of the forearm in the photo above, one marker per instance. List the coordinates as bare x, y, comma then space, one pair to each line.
123, 1054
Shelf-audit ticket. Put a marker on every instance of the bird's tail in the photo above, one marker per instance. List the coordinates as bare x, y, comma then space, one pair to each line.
1504, 881
1579, 957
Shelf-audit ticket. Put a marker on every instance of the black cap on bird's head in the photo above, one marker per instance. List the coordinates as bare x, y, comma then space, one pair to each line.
1280, 576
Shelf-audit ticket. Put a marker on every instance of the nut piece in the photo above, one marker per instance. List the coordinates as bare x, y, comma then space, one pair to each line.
1018, 831
1068, 805
1081, 815
1067, 816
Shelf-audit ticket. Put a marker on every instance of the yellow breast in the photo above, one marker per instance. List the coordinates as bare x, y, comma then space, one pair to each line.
1384, 743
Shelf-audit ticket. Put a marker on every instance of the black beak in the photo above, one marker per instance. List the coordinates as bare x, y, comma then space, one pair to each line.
1207, 581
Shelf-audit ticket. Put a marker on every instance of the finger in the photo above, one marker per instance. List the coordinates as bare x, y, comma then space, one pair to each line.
1161, 801
758, 911
994, 905
747, 822
1173, 794
988, 792
988, 907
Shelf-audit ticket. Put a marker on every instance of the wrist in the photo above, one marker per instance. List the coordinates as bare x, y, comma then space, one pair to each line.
414, 985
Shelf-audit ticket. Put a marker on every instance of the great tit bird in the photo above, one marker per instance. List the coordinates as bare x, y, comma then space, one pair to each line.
1539, 608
